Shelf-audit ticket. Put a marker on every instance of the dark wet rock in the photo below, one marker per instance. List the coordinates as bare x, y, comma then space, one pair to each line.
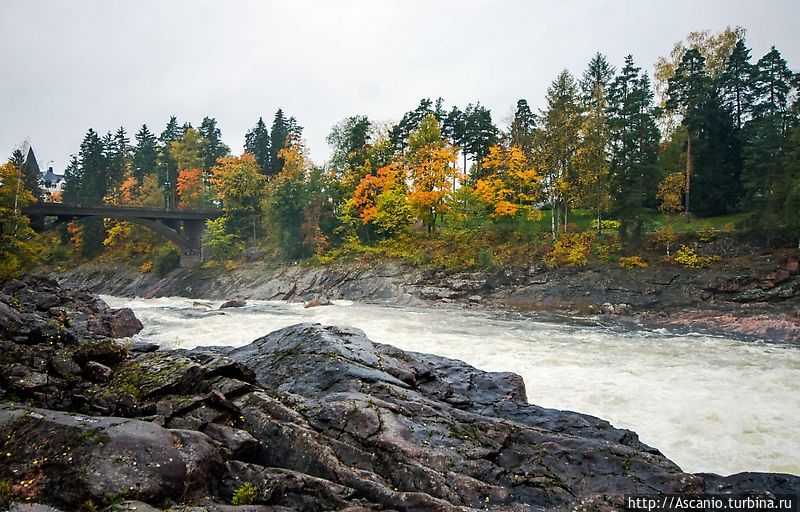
287, 488
160, 373
433, 428
105, 351
66, 459
202, 459
237, 444
752, 483
144, 347
235, 302
10, 319
97, 372
313, 417
123, 323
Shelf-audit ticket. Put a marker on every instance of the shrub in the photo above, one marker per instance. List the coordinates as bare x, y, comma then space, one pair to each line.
687, 257
571, 250
146, 267
606, 224
707, 233
166, 260
245, 495
630, 262
485, 258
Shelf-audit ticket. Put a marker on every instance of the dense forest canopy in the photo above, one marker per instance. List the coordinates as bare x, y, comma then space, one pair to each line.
715, 131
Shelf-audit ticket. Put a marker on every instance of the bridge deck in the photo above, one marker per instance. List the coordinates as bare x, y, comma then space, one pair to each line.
119, 212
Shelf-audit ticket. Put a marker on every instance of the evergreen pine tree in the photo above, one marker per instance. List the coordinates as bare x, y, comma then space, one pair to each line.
212, 147
257, 142
736, 81
634, 149
687, 93
520, 133
167, 165
145, 155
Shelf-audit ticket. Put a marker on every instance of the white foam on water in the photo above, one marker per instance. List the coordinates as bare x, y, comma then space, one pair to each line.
708, 403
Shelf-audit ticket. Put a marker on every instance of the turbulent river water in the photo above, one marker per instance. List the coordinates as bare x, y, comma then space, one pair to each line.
710, 404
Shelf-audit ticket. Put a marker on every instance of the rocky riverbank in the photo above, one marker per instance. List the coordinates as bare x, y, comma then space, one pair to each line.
756, 296
309, 417
306, 418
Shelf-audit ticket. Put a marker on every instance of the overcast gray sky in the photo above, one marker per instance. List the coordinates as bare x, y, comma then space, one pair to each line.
70, 65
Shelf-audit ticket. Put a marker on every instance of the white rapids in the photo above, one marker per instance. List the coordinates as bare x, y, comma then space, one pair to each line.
711, 404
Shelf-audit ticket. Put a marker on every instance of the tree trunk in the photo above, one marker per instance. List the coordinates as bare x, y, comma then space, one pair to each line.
688, 171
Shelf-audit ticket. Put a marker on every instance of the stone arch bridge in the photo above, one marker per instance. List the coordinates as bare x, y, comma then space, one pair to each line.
182, 226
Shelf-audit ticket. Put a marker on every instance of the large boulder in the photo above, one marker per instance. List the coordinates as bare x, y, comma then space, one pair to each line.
66, 459
412, 430
122, 323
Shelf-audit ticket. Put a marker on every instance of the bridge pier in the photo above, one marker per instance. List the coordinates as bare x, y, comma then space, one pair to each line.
193, 252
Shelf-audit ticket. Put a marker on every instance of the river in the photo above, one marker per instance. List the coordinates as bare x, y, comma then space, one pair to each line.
710, 404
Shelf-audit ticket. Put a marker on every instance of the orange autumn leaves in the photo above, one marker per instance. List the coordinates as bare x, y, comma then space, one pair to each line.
420, 184
513, 185
190, 187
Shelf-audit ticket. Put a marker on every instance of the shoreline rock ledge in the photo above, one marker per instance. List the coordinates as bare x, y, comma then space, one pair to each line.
309, 417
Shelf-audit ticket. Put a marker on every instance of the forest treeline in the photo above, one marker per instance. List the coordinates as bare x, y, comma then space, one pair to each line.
714, 132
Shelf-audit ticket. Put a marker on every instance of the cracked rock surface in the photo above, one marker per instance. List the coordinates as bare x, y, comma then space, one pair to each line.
310, 417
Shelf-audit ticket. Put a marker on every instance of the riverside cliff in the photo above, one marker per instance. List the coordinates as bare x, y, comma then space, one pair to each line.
309, 417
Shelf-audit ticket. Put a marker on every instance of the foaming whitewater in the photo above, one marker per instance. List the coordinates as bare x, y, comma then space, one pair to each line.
711, 404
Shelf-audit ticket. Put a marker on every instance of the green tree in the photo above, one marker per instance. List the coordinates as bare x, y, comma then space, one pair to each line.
145, 154
349, 139
71, 192
592, 158
240, 186
410, 121
480, 134
257, 143
19, 245
188, 150
211, 146
559, 141
736, 83
634, 149
688, 93
283, 129
520, 133
598, 74
31, 173
167, 165
765, 174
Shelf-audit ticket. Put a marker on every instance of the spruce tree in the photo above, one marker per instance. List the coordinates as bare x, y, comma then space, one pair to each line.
257, 142
480, 134
167, 165
282, 128
736, 83
212, 147
634, 149
71, 191
598, 73
145, 155
520, 132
